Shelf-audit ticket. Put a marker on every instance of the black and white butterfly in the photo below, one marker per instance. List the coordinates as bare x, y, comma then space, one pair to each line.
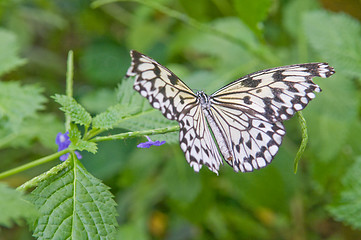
241, 122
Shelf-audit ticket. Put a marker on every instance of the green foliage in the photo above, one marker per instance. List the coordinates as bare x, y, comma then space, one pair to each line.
18, 103
252, 12
342, 101
111, 117
77, 143
348, 206
9, 48
342, 47
14, 207
102, 62
76, 112
207, 44
74, 204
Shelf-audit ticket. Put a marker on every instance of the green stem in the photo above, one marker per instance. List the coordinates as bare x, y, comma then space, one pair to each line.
69, 85
136, 134
304, 141
33, 164
36, 180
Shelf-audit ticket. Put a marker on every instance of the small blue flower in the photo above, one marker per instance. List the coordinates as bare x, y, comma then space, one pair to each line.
63, 141
150, 143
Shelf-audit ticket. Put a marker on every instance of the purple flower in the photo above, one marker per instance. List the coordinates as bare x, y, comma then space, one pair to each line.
150, 143
63, 142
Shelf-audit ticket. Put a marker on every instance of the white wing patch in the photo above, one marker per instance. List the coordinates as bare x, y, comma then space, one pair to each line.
245, 117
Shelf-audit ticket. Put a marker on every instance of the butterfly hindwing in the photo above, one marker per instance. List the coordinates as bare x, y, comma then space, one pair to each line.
163, 89
253, 142
196, 141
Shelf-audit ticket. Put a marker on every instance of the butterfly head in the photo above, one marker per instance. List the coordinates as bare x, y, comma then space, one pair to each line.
204, 100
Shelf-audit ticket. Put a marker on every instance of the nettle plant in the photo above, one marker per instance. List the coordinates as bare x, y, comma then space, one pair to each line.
68, 201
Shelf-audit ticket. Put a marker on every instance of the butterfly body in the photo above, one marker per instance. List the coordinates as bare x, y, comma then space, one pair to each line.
241, 122
206, 104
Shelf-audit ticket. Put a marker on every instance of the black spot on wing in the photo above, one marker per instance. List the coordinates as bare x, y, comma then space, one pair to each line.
173, 79
250, 82
278, 76
247, 100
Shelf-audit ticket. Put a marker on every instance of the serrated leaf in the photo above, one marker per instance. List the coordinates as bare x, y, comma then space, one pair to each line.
9, 58
33, 129
111, 117
74, 205
336, 37
82, 145
18, 102
79, 144
13, 207
347, 208
77, 113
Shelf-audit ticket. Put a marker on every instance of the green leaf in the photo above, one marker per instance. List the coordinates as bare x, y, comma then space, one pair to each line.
18, 102
293, 13
77, 113
330, 115
9, 58
33, 129
74, 205
79, 144
14, 207
111, 117
335, 37
230, 54
347, 208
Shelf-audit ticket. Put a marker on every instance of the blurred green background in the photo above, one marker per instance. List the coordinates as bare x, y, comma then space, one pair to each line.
207, 44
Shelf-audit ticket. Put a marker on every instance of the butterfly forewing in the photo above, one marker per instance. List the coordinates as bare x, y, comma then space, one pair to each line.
166, 92
245, 116
163, 89
274, 94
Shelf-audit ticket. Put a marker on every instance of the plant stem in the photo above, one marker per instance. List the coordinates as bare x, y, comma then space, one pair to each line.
136, 134
33, 164
69, 85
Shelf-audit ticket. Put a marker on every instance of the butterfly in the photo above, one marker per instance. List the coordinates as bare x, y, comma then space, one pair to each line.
241, 123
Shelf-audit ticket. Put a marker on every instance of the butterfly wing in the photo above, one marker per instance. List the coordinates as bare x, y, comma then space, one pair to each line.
253, 141
274, 94
250, 111
197, 142
163, 89
166, 92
